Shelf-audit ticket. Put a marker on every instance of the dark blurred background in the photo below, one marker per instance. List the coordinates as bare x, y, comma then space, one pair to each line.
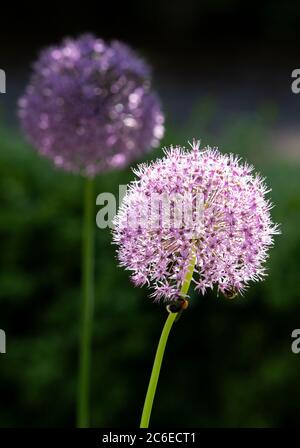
223, 71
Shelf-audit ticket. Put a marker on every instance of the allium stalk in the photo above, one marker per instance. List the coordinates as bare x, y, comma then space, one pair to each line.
173, 314
87, 306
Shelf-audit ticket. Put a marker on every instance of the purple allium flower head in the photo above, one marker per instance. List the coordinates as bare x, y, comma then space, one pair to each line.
228, 235
89, 106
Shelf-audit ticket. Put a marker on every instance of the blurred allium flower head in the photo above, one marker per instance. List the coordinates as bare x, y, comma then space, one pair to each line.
89, 106
229, 238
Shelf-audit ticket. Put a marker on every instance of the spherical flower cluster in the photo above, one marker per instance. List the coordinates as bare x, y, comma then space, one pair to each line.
228, 237
89, 106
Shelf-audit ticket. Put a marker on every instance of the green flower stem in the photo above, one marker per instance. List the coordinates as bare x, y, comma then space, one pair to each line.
87, 306
162, 345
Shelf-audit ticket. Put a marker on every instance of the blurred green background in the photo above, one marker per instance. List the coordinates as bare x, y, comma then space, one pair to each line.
228, 362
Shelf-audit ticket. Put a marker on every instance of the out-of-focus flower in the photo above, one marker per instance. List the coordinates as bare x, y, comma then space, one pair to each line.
227, 226
89, 106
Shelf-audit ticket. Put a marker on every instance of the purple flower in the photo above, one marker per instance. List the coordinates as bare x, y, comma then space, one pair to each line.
89, 106
217, 212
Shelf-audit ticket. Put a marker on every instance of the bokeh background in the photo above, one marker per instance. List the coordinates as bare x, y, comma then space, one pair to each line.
223, 71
